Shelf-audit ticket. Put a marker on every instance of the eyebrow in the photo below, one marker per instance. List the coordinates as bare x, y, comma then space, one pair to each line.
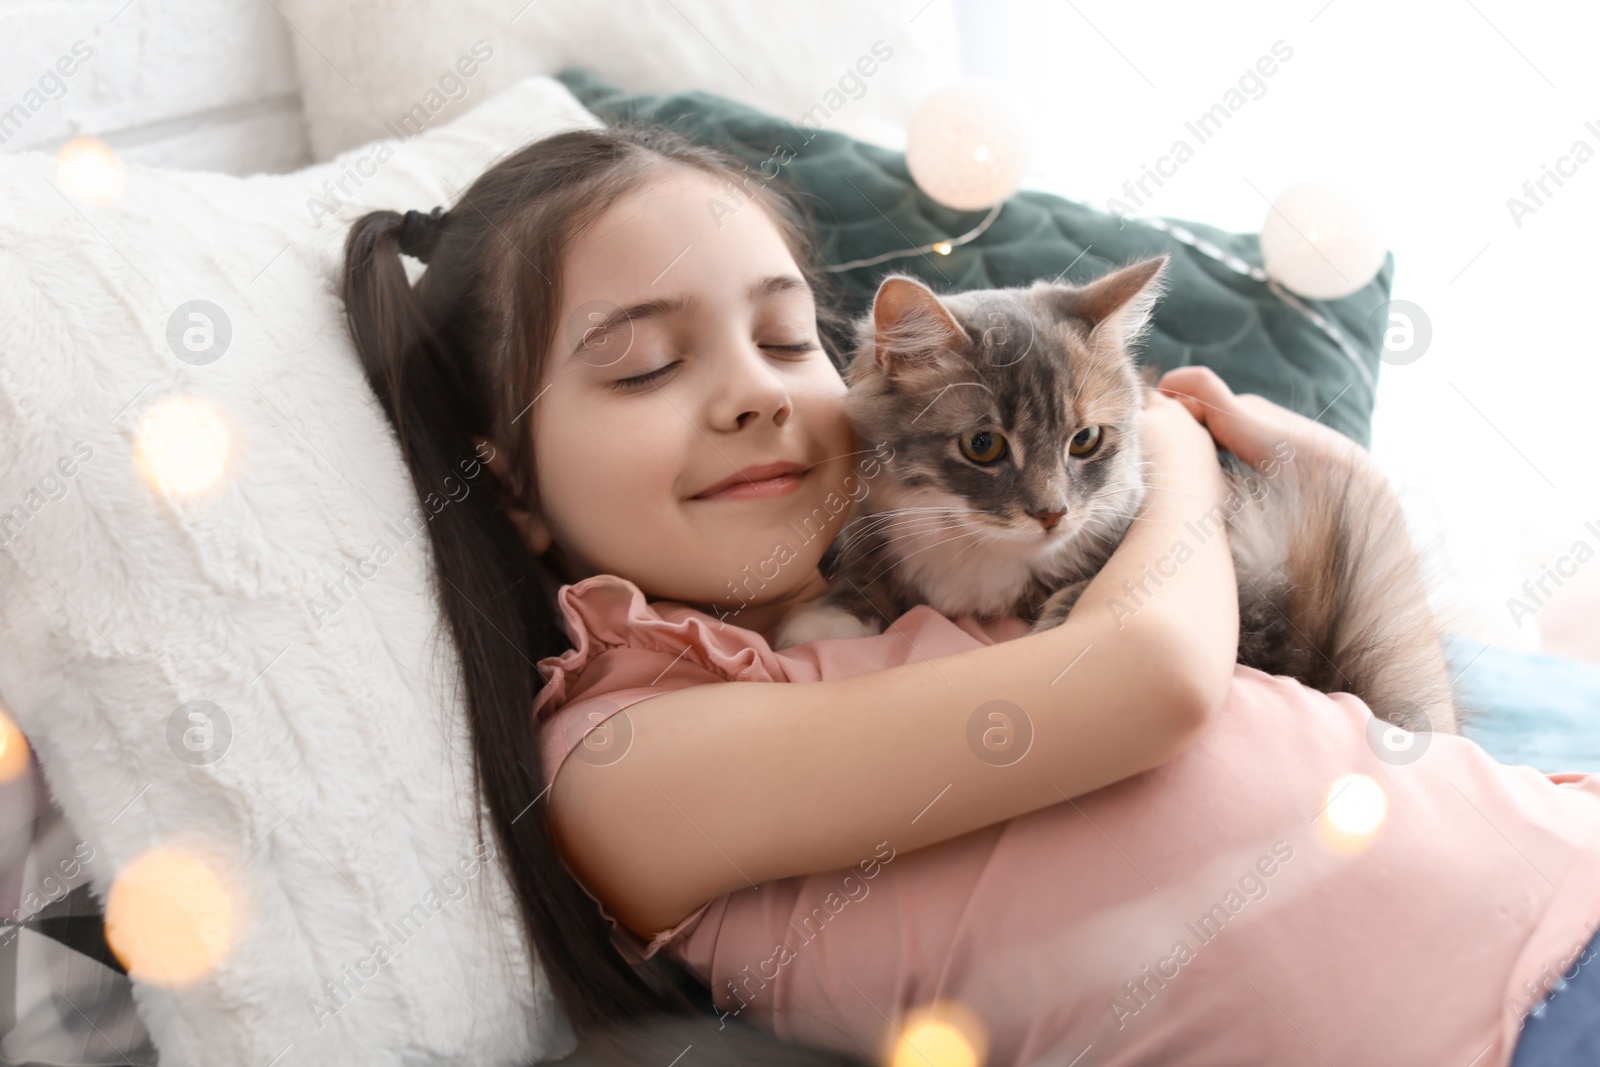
671, 305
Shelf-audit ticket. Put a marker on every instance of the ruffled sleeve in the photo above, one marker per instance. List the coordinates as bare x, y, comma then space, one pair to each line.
604, 613
625, 649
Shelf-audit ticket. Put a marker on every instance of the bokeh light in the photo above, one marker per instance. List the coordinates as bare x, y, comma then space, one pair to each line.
89, 172
1320, 243
13, 749
181, 447
1355, 811
968, 144
169, 918
945, 1033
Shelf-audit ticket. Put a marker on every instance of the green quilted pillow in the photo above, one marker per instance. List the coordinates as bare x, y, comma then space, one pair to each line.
1319, 358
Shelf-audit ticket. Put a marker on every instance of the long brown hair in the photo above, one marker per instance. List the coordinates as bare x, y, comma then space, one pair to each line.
461, 355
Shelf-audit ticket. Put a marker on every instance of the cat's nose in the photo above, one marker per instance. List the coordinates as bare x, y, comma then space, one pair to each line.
1047, 519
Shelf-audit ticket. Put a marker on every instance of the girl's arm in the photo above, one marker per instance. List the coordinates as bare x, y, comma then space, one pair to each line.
1254, 428
732, 784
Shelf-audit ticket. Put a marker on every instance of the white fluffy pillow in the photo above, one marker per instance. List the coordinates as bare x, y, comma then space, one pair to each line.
339, 814
368, 66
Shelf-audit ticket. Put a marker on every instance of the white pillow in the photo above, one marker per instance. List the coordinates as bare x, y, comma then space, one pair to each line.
368, 66
343, 800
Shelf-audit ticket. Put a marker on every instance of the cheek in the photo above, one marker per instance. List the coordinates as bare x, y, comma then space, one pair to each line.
822, 402
604, 472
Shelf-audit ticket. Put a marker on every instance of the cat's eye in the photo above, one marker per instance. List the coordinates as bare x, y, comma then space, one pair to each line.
983, 446
1084, 441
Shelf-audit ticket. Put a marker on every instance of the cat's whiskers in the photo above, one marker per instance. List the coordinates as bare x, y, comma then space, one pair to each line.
900, 534
915, 520
876, 523
975, 542
915, 509
900, 511
974, 527
1104, 532
867, 520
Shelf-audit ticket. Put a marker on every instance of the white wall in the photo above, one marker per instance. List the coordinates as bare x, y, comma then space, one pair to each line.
183, 83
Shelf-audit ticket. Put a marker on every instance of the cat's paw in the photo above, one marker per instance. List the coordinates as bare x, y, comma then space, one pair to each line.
1055, 610
815, 622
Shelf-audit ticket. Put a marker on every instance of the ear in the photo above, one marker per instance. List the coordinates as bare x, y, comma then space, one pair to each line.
1118, 305
912, 328
528, 523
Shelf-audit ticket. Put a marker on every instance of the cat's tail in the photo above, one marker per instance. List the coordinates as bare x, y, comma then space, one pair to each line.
1339, 599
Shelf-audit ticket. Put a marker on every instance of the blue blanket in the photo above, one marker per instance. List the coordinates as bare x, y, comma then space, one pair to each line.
1540, 710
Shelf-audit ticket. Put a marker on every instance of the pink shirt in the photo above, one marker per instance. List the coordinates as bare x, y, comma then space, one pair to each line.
1218, 909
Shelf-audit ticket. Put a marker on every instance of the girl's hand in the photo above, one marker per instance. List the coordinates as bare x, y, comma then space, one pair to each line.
1253, 427
1180, 451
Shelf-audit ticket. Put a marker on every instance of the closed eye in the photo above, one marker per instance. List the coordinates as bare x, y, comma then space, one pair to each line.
642, 380
639, 381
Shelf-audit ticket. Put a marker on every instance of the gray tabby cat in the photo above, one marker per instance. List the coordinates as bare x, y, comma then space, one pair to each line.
1014, 420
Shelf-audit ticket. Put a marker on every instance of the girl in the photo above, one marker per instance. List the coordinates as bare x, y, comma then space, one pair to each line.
1101, 844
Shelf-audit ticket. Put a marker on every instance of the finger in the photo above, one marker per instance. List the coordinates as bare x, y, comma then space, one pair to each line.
1193, 407
1192, 404
1205, 394
1197, 381
1202, 383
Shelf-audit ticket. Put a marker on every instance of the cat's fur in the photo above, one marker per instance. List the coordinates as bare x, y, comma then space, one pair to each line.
1330, 589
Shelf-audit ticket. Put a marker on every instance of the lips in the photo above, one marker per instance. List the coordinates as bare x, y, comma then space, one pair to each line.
759, 472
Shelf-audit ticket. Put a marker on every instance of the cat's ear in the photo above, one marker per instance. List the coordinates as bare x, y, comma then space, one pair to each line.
1118, 305
912, 328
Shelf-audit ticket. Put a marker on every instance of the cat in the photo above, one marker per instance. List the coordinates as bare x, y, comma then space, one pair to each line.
1014, 420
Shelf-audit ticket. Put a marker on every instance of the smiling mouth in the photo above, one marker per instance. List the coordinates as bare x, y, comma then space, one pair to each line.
759, 488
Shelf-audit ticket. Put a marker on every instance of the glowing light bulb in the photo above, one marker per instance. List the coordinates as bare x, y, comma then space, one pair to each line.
943, 248
89, 172
181, 446
13, 750
169, 918
967, 145
1318, 242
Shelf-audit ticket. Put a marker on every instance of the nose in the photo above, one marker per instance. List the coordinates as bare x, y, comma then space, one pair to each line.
1048, 519
749, 391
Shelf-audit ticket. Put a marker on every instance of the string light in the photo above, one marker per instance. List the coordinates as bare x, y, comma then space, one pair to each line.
1319, 242
943, 248
967, 145
967, 148
1248, 270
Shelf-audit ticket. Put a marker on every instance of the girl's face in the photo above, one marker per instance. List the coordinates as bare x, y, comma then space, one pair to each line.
687, 354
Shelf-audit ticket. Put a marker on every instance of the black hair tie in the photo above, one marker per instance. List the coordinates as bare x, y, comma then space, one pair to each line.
419, 233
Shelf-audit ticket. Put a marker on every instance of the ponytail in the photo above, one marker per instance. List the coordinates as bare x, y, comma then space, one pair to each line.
453, 359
